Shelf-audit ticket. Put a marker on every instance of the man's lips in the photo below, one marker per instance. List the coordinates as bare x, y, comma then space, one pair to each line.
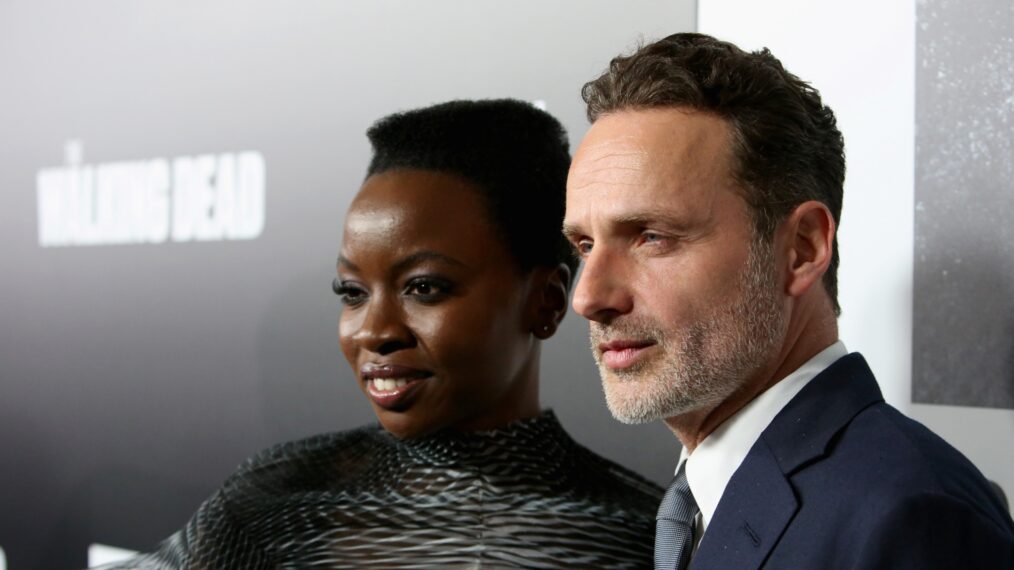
620, 354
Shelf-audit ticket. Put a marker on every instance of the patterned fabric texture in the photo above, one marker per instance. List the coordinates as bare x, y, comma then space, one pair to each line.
526, 496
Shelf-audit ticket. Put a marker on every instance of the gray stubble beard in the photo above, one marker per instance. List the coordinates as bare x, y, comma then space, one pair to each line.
711, 359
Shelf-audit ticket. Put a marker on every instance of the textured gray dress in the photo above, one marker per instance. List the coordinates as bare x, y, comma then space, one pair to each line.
526, 496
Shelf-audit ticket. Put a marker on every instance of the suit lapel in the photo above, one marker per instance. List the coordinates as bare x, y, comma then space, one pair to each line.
757, 505
759, 501
803, 430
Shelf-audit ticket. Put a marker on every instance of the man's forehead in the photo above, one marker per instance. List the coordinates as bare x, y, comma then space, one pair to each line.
613, 153
631, 144
608, 164
635, 163
655, 139
642, 127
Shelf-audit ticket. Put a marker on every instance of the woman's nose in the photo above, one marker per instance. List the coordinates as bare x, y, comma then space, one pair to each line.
382, 329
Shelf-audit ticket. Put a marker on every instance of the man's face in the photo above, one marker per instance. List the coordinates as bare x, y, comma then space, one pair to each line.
684, 302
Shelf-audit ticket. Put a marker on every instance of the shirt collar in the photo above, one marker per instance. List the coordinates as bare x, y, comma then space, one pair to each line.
719, 455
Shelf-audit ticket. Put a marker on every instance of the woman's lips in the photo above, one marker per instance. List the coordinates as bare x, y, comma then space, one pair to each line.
620, 354
392, 386
394, 394
372, 370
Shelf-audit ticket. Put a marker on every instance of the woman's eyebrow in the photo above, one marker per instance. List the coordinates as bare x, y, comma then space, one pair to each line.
418, 257
408, 261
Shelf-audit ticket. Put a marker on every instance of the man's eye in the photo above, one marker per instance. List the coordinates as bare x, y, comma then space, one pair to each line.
349, 294
653, 238
428, 289
583, 247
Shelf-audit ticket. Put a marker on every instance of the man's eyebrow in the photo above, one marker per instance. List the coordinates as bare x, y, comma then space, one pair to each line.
570, 231
573, 232
650, 218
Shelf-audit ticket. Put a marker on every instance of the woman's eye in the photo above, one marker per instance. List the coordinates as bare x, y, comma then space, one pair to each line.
428, 289
349, 294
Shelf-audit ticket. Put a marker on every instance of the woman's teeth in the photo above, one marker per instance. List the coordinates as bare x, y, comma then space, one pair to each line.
387, 384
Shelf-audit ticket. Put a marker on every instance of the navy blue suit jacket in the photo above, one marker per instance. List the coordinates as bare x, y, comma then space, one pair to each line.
840, 479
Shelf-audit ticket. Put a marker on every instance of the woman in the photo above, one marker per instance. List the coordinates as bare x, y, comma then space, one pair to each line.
452, 271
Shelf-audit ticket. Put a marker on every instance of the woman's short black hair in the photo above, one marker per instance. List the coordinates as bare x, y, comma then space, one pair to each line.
516, 155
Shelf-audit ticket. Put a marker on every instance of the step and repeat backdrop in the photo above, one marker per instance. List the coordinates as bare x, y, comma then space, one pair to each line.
173, 180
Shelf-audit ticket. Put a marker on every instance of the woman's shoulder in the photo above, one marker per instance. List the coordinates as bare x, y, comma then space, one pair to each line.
542, 445
615, 478
228, 529
300, 465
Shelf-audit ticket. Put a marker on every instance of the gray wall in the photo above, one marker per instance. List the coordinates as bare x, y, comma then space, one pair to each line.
963, 294
963, 329
135, 377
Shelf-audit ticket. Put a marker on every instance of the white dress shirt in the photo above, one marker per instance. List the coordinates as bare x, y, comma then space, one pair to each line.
719, 455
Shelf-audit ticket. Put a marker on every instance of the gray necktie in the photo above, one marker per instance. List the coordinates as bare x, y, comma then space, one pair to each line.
674, 525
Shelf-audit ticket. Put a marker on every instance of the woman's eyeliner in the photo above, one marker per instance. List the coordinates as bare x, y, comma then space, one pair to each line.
424, 289
349, 295
428, 289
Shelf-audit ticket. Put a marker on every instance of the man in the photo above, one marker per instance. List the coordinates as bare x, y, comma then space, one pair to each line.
704, 202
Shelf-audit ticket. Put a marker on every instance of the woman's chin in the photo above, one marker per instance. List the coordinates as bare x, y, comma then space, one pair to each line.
403, 426
410, 423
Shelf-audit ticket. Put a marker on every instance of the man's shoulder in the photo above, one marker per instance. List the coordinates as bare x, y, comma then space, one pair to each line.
841, 419
882, 460
890, 486
900, 453
877, 488
846, 451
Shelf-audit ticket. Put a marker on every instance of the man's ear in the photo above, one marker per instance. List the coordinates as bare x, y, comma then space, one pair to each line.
809, 232
549, 299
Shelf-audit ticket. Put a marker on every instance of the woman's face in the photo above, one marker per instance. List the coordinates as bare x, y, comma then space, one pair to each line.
436, 320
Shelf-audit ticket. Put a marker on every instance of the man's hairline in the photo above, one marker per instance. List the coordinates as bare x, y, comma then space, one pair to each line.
735, 143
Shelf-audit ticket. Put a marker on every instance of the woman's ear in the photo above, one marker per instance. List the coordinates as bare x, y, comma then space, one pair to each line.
810, 237
549, 299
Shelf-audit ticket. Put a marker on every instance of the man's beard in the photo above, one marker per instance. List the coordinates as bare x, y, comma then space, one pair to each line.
702, 363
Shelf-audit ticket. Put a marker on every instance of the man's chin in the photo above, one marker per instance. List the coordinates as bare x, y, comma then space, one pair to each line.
627, 402
631, 420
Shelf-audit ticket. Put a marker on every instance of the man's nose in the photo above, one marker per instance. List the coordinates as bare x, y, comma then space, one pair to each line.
602, 292
383, 329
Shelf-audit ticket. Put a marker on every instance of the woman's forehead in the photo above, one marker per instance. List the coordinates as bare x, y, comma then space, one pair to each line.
398, 213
